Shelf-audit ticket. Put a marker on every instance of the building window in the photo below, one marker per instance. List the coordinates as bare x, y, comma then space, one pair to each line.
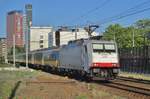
41, 46
41, 37
41, 41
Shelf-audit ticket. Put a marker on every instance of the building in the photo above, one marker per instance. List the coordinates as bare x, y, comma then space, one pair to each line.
3, 49
24, 29
14, 26
39, 37
28, 8
45, 37
27, 24
63, 35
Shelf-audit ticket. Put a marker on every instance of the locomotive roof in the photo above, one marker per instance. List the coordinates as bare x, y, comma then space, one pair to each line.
89, 40
81, 41
103, 41
46, 49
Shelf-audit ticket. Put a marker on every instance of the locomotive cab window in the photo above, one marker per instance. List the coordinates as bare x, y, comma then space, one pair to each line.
98, 47
109, 47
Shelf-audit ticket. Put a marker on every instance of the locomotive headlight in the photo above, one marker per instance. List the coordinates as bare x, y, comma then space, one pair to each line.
94, 64
115, 64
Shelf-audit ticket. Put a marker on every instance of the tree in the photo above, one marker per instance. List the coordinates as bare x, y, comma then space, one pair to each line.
144, 27
112, 31
17, 50
124, 35
119, 34
143, 24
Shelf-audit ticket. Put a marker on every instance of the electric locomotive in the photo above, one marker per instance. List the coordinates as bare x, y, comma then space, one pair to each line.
95, 58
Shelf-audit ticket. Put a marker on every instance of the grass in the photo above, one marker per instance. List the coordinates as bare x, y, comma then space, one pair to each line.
5, 65
8, 80
135, 75
82, 96
5, 88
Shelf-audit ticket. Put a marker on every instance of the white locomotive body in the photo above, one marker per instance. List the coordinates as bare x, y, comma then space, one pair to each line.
94, 57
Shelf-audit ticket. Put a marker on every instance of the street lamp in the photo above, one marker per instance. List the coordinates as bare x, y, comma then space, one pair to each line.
14, 59
27, 41
133, 40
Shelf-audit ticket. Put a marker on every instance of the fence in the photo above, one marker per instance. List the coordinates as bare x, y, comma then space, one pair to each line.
135, 60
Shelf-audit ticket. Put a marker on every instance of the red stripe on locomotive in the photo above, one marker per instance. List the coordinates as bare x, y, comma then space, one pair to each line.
97, 64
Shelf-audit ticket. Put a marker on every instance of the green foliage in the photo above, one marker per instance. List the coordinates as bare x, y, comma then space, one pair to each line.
6, 88
17, 50
82, 96
2, 59
124, 35
9, 79
143, 24
5, 65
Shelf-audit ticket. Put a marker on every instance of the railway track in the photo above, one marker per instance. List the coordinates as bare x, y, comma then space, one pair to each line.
135, 86
134, 80
129, 88
50, 82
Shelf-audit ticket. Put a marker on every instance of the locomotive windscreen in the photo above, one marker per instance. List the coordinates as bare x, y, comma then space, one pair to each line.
98, 46
109, 47
104, 47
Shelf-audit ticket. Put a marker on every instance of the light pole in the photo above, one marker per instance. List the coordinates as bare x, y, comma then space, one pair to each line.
27, 47
133, 36
76, 32
115, 37
27, 41
14, 57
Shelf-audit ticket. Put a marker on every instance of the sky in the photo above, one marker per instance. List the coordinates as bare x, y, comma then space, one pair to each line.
72, 12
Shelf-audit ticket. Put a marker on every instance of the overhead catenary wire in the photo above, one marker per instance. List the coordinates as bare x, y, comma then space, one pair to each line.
123, 16
139, 8
91, 10
142, 7
136, 6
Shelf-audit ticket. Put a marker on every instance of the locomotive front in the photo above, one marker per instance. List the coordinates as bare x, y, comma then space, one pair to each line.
105, 61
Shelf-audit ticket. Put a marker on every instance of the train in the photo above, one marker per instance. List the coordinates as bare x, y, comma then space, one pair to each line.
94, 59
